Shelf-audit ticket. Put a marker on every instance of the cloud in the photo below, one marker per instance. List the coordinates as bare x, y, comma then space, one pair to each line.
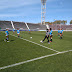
15, 7
60, 12
8, 15
18, 3
63, 10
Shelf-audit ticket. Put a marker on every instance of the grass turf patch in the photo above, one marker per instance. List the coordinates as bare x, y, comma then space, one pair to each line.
57, 44
58, 63
18, 50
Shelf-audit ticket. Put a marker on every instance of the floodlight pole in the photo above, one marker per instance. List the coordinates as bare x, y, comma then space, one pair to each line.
43, 11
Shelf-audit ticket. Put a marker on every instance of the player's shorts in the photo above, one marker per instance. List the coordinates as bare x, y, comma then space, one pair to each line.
50, 35
6, 35
18, 33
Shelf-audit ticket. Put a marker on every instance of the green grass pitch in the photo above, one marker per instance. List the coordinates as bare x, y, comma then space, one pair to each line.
18, 50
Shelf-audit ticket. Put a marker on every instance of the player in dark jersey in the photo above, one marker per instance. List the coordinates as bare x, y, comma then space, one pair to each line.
51, 35
46, 36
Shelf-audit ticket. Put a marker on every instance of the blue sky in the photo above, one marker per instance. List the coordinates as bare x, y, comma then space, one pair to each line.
30, 10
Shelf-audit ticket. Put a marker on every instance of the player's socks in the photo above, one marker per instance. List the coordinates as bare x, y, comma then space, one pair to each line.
48, 40
7, 39
51, 40
60, 37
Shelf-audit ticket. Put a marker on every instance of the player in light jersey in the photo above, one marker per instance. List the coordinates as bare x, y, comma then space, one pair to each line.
18, 32
58, 32
7, 35
46, 36
61, 34
51, 35
29, 31
13, 31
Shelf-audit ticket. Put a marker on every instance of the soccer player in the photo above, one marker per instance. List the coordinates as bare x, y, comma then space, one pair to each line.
29, 31
13, 31
58, 32
7, 35
18, 32
51, 35
61, 34
46, 36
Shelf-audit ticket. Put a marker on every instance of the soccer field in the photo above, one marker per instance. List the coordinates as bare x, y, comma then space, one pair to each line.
26, 54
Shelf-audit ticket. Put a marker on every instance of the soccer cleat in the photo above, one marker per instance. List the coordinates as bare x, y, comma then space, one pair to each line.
41, 41
48, 42
7, 41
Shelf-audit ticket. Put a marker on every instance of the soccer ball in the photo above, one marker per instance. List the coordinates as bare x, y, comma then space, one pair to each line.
41, 41
30, 37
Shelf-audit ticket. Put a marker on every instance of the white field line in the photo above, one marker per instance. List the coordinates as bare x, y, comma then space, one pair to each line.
20, 63
36, 43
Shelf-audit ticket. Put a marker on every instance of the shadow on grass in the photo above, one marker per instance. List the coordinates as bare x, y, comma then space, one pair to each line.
1, 40
12, 40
